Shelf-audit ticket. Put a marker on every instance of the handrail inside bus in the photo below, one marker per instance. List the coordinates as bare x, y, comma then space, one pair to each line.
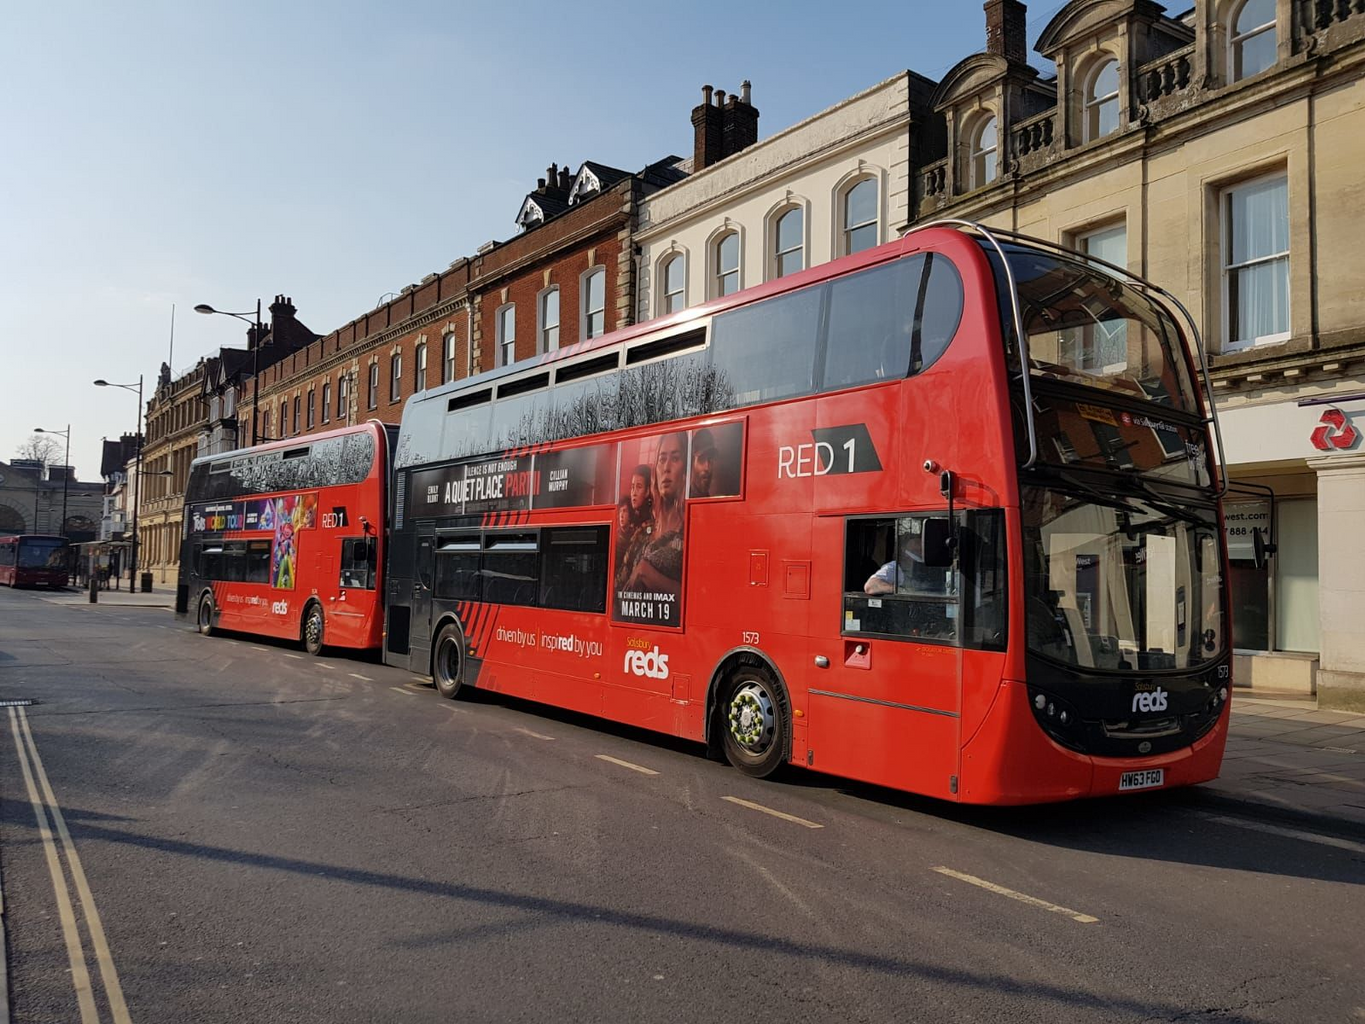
1141, 282
987, 234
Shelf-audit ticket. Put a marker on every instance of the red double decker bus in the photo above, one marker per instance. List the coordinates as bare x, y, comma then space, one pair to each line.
286, 539
941, 516
32, 560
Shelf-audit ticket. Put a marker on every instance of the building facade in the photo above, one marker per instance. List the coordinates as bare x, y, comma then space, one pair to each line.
1216, 154
32, 498
176, 415
751, 211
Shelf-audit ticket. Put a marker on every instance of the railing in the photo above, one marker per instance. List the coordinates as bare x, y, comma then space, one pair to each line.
935, 180
1167, 76
1034, 134
1317, 15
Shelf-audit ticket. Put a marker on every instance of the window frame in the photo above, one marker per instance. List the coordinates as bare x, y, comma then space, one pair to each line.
343, 396
587, 313
297, 402
1091, 102
846, 229
544, 339
503, 318
311, 418
326, 401
776, 254
1236, 40
1080, 241
395, 377
372, 386
670, 260
1227, 269
978, 175
718, 273
419, 367
447, 357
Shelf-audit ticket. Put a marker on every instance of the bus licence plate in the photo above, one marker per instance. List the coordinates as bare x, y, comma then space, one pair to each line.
1146, 779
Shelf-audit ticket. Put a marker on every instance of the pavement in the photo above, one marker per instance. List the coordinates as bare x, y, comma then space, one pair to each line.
158, 598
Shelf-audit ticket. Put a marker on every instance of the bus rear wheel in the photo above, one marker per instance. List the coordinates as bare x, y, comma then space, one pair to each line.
204, 622
447, 661
753, 718
314, 628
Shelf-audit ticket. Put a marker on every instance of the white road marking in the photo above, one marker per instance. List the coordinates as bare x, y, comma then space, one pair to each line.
405, 693
626, 764
1289, 833
296, 657
357, 675
324, 665
1032, 901
533, 735
112, 989
263, 650
776, 814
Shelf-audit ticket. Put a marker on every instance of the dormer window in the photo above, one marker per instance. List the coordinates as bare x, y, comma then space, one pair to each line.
985, 147
1252, 39
1101, 115
530, 215
585, 186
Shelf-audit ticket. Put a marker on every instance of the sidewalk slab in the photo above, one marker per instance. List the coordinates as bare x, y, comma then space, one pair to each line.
113, 599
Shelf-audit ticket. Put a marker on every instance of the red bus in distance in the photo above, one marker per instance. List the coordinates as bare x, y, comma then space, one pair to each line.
941, 516
287, 539
35, 560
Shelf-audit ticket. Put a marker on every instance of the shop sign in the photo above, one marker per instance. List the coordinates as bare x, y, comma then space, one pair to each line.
1241, 520
1334, 432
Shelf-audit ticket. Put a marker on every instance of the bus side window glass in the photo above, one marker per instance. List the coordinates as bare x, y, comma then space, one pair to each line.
871, 316
357, 563
938, 314
457, 568
573, 569
258, 561
984, 594
510, 568
898, 578
768, 350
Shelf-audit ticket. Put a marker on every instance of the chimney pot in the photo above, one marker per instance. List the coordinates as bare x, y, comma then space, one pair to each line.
744, 88
706, 95
720, 97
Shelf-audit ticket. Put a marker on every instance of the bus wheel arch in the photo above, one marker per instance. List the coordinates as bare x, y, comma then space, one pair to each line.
747, 678
204, 617
313, 627
448, 657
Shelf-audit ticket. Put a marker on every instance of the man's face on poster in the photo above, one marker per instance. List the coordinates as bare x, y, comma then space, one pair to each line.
703, 465
670, 467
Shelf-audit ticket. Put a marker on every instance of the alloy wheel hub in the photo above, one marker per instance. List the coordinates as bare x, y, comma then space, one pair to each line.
751, 717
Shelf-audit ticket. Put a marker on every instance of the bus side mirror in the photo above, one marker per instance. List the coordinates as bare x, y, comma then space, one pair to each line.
938, 543
1262, 549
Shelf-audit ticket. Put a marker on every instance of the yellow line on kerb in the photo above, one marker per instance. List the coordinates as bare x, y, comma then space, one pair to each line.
1032, 901
112, 989
80, 977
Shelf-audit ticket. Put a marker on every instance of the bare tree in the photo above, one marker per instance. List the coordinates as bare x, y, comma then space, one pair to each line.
41, 448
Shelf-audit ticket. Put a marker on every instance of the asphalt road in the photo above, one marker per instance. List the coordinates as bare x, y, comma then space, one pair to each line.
262, 836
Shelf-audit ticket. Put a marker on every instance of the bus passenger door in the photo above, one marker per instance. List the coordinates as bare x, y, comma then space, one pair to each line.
423, 576
885, 697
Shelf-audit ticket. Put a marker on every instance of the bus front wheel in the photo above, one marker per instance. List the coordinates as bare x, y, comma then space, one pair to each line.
753, 722
314, 628
447, 661
205, 620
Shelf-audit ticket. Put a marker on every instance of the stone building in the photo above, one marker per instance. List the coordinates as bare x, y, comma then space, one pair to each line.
1216, 153
750, 211
32, 497
175, 417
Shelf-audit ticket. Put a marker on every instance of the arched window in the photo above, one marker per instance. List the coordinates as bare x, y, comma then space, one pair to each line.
594, 297
727, 264
860, 216
326, 403
1252, 39
789, 242
985, 147
507, 335
549, 319
1102, 100
673, 284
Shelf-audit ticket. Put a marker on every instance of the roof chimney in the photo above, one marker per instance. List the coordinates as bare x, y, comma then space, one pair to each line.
708, 126
565, 178
1007, 30
740, 121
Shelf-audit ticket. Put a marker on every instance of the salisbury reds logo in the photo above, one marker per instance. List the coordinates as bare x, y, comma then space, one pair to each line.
1334, 433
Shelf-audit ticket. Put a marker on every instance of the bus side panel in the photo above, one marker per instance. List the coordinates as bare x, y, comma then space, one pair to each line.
890, 746
1010, 760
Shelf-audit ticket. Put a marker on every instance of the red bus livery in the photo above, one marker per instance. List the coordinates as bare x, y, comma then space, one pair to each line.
286, 539
31, 560
941, 516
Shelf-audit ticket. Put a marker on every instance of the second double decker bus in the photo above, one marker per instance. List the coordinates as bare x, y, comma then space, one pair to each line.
940, 516
286, 539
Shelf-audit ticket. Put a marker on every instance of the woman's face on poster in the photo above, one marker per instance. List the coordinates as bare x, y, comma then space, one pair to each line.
639, 491
670, 467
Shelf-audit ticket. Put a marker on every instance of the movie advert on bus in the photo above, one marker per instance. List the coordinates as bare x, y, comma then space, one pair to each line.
658, 476
575, 478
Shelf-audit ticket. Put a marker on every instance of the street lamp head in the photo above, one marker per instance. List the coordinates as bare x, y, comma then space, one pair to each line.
204, 307
101, 383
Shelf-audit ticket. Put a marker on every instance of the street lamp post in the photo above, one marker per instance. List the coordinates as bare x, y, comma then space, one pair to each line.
66, 475
137, 480
206, 309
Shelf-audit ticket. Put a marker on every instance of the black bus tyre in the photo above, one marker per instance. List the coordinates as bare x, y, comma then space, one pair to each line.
447, 661
313, 629
204, 622
753, 721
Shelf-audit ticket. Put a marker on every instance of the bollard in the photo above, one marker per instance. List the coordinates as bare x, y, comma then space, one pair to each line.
94, 588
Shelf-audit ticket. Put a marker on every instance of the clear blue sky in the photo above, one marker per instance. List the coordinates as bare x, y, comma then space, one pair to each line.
177, 153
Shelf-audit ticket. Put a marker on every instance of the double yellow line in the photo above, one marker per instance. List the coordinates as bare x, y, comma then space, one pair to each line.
32, 767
